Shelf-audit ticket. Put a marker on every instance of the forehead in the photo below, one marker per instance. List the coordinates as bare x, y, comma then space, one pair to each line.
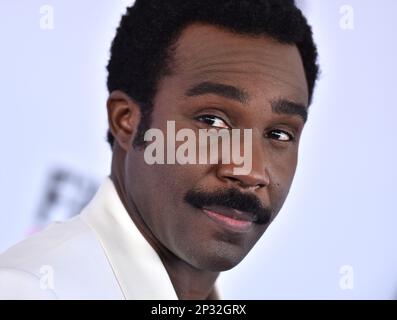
259, 64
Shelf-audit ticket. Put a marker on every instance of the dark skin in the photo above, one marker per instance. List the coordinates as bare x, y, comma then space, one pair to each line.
193, 248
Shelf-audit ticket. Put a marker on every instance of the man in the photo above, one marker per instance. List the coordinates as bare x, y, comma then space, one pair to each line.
166, 230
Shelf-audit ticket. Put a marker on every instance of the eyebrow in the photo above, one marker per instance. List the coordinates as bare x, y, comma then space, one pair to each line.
219, 89
280, 106
283, 106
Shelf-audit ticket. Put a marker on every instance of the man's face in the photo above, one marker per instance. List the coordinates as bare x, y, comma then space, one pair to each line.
208, 61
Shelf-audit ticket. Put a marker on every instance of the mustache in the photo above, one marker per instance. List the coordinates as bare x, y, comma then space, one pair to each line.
230, 198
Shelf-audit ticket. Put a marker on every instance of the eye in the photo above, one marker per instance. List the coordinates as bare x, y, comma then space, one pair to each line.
280, 135
213, 121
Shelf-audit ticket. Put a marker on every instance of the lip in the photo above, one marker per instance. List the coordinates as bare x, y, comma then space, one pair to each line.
231, 219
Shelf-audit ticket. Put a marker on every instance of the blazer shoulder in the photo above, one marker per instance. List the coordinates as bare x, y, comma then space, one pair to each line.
67, 257
21, 285
55, 243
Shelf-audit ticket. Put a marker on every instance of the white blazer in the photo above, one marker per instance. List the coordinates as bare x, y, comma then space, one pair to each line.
99, 254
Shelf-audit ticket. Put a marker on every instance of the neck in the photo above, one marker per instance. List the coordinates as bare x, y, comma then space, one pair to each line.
188, 281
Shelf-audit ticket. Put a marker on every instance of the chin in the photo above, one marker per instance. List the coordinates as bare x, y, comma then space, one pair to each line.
220, 264
218, 261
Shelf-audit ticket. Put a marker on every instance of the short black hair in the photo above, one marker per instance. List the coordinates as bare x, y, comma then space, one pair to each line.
141, 51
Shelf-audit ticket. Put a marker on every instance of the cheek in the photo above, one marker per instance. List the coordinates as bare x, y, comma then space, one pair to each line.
283, 165
155, 191
167, 184
281, 176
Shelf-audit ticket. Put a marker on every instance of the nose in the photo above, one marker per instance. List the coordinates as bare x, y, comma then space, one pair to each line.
258, 177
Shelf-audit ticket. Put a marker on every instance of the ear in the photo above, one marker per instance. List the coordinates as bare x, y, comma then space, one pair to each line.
124, 116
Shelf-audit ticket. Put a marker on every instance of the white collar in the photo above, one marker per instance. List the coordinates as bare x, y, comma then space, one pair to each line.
136, 265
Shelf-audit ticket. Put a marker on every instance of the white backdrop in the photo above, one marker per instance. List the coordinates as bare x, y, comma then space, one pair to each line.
336, 235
